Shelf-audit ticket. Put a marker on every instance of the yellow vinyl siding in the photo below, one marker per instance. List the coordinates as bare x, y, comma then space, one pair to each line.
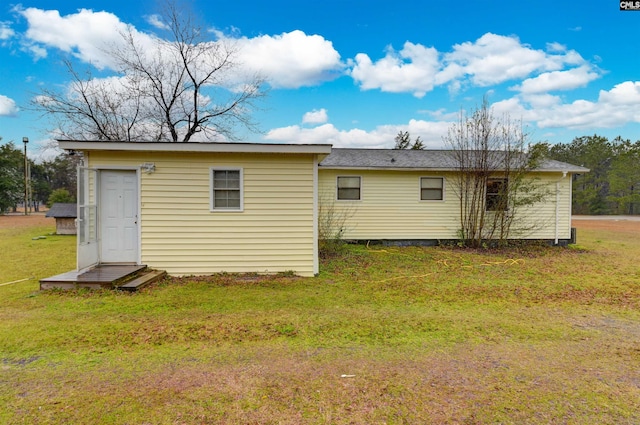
179, 233
541, 217
390, 207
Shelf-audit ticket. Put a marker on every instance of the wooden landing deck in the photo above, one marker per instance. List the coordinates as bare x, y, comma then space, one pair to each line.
101, 276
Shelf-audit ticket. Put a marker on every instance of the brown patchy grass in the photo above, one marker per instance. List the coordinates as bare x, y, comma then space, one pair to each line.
383, 336
630, 227
469, 384
20, 220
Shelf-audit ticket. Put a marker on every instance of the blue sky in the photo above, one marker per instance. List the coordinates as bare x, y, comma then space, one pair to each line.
355, 73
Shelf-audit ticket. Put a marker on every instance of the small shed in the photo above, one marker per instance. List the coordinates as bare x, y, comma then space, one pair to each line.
65, 215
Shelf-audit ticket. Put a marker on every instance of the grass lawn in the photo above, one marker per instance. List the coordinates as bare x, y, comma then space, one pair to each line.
382, 336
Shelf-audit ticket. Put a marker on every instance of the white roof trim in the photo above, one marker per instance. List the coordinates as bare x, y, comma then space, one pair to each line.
194, 147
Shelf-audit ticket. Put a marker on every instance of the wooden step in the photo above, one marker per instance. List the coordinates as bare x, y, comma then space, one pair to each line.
142, 280
105, 276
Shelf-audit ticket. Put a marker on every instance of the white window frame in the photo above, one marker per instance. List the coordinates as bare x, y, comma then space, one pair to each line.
444, 183
338, 189
212, 207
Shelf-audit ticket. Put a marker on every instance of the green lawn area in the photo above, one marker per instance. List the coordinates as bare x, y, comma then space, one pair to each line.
424, 335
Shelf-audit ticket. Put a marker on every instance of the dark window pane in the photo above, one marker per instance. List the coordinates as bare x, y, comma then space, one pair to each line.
348, 182
431, 188
349, 188
431, 194
349, 194
496, 198
431, 183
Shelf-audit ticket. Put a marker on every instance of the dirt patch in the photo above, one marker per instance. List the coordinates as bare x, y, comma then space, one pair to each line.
19, 220
616, 225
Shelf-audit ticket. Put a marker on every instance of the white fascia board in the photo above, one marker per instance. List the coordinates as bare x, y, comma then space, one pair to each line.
194, 147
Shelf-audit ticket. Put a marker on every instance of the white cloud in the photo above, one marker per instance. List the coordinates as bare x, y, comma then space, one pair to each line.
580, 114
315, 117
623, 94
492, 59
412, 69
8, 107
85, 34
556, 47
558, 80
290, 60
614, 108
430, 132
5, 31
441, 114
541, 100
514, 109
38, 52
156, 21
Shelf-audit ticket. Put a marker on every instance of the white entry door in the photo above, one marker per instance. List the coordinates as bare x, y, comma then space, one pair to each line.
118, 216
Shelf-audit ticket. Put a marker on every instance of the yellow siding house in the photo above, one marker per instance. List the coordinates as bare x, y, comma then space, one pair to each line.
203, 208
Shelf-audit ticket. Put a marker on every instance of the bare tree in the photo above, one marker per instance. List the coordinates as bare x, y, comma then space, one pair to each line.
96, 109
493, 180
166, 90
332, 225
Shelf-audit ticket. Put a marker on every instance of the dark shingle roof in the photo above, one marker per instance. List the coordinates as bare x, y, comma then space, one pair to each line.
61, 210
442, 160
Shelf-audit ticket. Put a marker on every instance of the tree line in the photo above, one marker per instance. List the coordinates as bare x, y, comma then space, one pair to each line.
50, 181
613, 184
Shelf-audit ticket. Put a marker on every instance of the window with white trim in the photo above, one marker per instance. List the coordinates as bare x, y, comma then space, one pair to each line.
349, 188
431, 188
226, 189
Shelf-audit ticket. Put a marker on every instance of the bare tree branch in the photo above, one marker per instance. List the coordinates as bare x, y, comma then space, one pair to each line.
166, 90
493, 181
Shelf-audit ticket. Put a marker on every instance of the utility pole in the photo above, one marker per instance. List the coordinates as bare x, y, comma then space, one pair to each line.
25, 140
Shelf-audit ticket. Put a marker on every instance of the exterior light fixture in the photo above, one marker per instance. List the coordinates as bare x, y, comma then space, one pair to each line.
148, 167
